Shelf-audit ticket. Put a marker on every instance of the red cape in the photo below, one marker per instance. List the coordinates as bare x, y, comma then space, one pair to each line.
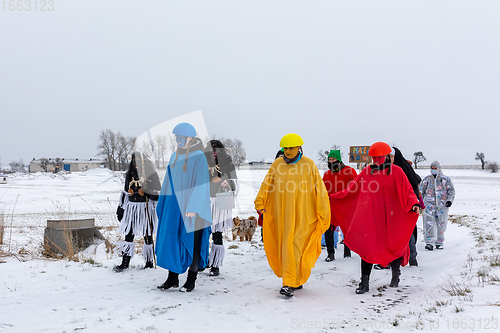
338, 181
374, 214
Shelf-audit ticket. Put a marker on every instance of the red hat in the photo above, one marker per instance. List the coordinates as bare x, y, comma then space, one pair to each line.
379, 149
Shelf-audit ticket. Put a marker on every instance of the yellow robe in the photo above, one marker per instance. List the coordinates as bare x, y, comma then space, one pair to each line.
297, 214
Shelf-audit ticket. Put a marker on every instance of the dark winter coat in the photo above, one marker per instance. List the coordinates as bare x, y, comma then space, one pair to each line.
413, 178
221, 166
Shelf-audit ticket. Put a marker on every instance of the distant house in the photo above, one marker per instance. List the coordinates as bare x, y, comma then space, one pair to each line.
73, 165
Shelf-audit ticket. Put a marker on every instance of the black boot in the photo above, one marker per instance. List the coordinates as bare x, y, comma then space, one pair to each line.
214, 271
395, 278
172, 281
363, 285
331, 257
189, 285
149, 264
347, 252
124, 265
287, 291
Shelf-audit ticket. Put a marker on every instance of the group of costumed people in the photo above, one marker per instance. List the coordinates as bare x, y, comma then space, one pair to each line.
183, 211
377, 210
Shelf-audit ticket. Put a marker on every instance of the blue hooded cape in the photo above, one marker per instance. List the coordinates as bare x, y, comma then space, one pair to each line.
181, 193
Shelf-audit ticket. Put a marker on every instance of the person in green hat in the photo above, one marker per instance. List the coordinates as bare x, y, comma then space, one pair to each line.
336, 179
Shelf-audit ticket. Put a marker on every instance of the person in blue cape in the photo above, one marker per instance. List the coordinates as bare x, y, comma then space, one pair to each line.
184, 216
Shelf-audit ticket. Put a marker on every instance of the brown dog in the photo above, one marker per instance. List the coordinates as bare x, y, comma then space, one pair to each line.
244, 229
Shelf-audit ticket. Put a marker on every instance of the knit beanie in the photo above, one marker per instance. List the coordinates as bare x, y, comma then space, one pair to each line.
335, 154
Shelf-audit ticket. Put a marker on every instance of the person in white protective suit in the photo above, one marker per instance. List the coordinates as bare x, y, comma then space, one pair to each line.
438, 194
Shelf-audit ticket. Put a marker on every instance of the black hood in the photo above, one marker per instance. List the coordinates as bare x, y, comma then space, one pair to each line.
401, 162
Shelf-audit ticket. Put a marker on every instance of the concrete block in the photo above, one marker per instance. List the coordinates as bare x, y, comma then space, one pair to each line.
70, 236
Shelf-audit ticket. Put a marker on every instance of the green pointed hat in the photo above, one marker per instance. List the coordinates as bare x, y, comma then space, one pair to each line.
335, 154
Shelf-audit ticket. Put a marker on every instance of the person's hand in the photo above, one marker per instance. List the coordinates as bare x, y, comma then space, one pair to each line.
130, 191
216, 180
141, 192
416, 209
448, 204
224, 183
190, 214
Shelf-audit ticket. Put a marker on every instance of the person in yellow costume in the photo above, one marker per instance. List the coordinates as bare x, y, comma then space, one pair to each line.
296, 209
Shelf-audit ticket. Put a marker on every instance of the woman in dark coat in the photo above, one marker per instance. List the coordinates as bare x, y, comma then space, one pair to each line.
222, 178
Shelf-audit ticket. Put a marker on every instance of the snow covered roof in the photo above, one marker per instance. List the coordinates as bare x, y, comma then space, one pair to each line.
74, 160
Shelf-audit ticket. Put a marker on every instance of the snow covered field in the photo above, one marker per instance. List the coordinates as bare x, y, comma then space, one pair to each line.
45, 295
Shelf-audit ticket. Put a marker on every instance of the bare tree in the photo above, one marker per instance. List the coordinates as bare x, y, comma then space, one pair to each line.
146, 149
124, 147
419, 157
155, 149
480, 157
161, 142
121, 147
13, 166
58, 164
44, 163
235, 150
172, 143
323, 154
129, 150
17, 165
107, 145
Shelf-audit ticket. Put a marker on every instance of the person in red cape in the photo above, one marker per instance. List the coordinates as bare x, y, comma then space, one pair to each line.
336, 179
377, 213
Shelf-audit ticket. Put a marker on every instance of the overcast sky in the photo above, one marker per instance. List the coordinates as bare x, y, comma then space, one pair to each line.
424, 75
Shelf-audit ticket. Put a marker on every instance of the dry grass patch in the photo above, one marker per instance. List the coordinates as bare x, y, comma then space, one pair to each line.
454, 288
459, 219
493, 278
493, 260
442, 303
